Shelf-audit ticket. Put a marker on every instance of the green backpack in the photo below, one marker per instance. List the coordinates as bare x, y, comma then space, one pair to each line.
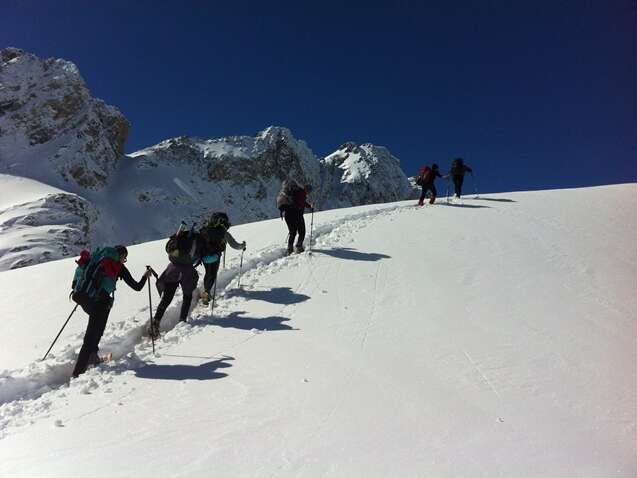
95, 273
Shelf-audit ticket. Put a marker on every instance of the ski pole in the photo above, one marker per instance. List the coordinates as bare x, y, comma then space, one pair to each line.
150, 310
240, 268
311, 228
214, 295
58, 335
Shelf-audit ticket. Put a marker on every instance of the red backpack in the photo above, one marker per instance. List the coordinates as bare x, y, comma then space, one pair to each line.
424, 176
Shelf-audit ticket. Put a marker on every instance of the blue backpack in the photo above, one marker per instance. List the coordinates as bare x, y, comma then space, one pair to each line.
95, 272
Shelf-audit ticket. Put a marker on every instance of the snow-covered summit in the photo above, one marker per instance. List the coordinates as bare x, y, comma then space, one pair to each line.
51, 128
365, 174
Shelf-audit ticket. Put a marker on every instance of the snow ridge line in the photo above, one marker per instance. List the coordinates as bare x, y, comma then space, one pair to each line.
128, 344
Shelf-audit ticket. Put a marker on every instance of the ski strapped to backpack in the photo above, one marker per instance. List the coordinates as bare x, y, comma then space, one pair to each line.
96, 275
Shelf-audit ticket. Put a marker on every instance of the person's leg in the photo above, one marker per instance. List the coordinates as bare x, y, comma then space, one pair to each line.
185, 307
434, 194
457, 184
292, 222
166, 299
301, 230
94, 331
188, 282
211, 275
423, 193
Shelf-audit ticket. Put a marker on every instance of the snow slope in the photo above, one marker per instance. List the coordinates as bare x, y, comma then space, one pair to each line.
489, 338
39, 223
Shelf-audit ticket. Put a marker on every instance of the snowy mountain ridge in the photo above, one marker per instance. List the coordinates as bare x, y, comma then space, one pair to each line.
52, 131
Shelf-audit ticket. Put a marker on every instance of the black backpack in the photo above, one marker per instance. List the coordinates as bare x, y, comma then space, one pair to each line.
181, 246
214, 232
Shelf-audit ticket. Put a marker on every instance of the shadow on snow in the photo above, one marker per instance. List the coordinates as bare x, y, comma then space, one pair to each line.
236, 321
469, 206
495, 199
275, 295
352, 254
204, 371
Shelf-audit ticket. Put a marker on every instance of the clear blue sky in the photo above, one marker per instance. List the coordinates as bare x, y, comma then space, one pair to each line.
533, 95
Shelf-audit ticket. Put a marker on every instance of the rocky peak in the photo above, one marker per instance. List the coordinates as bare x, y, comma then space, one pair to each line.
364, 174
49, 121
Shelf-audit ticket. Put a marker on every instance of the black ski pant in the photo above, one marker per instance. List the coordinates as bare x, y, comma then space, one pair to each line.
296, 225
94, 331
167, 297
425, 188
457, 183
211, 274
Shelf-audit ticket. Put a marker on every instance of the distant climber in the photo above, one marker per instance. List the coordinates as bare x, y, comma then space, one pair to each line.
292, 202
425, 178
457, 172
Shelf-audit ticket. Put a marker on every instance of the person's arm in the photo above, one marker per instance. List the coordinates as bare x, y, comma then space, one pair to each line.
234, 244
467, 168
124, 274
438, 174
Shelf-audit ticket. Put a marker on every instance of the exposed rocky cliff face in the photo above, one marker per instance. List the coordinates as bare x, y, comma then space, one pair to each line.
50, 123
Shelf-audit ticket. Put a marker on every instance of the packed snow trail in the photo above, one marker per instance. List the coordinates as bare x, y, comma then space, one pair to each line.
443, 341
127, 338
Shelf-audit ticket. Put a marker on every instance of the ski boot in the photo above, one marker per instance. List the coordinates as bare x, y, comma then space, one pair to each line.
299, 248
205, 298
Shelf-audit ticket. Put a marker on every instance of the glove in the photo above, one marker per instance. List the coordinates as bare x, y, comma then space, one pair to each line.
244, 245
